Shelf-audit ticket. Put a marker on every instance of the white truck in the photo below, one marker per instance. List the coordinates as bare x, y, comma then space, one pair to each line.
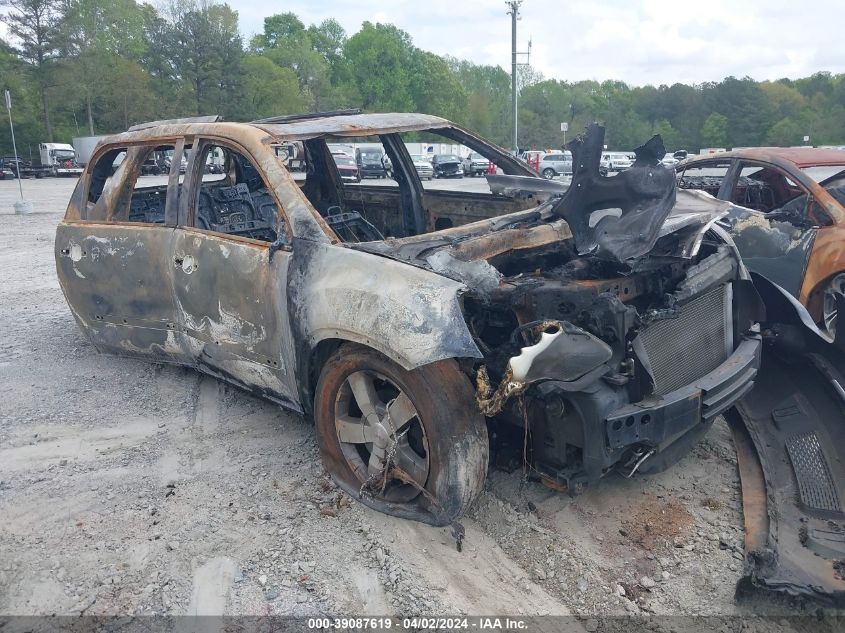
59, 159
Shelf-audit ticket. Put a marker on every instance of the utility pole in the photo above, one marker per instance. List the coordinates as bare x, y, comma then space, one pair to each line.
514, 13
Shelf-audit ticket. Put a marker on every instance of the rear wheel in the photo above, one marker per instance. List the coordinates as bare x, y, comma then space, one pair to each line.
548, 173
408, 443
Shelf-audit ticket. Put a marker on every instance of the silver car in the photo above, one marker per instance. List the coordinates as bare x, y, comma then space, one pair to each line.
423, 167
555, 164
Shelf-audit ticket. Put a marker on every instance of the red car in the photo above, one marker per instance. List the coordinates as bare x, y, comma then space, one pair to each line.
346, 167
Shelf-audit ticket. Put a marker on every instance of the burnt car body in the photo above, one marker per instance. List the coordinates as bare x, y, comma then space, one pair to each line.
537, 312
788, 222
795, 228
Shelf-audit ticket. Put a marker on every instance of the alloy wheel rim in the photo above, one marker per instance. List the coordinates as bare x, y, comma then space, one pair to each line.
835, 289
379, 432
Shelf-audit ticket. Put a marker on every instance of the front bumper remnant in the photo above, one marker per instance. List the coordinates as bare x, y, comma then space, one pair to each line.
673, 422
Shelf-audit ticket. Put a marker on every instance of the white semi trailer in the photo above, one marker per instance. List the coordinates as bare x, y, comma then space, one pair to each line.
84, 146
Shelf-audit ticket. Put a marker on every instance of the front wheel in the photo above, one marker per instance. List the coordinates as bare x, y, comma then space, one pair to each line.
408, 443
835, 289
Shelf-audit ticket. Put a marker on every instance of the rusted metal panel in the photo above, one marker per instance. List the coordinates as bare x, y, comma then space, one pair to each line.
355, 125
798, 156
231, 305
117, 280
410, 315
827, 258
511, 240
212, 118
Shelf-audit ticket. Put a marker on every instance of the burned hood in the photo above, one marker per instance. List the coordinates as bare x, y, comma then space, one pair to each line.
617, 217
464, 253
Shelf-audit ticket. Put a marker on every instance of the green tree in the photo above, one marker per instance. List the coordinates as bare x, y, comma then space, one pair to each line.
668, 133
435, 88
34, 25
93, 33
714, 132
210, 51
379, 57
268, 89
784, 133
15, 78
745, 105
288, 44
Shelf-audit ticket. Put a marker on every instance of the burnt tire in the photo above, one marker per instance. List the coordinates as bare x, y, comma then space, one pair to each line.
453, 432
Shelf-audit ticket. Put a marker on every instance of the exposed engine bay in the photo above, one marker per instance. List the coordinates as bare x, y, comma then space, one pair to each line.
615, 321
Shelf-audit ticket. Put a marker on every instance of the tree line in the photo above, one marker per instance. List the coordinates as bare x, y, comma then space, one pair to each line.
86, 67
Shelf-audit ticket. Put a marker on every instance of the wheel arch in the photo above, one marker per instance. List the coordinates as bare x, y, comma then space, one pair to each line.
825, 261
313, 361
409, 315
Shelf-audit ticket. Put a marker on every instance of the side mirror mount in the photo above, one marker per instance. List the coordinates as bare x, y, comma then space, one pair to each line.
280, 244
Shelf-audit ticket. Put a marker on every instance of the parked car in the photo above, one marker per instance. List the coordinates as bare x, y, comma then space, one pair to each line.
369, 163
182, 163
794, 230
447, 166
530, 156
403, 350
422, 166
22, 168
347, 167
475, 164
787, 219
669, 160
555, 164
615, 161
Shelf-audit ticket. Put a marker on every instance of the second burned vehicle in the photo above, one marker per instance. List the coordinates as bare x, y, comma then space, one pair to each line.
400, 318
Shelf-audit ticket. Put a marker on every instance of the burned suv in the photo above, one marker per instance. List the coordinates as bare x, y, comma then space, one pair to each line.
611, 324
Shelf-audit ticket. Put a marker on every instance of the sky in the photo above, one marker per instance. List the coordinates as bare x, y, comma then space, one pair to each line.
636, 41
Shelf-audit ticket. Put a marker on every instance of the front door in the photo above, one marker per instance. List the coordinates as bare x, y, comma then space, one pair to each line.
775, 239
231, 300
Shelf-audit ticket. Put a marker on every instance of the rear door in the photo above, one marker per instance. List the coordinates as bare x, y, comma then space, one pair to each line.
113, 260
231, 300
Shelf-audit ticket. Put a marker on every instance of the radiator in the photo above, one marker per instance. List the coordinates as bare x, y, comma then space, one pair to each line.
683, 349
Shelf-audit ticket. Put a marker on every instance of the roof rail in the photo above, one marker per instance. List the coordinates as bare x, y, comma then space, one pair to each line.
211, 118
285, 118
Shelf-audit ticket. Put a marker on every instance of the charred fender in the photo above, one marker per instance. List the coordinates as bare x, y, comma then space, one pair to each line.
410, 315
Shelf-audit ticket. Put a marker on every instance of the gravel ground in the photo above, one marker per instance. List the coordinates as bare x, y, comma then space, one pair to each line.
134, 488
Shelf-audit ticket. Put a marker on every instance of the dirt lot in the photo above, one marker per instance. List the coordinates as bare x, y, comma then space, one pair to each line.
134, 488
